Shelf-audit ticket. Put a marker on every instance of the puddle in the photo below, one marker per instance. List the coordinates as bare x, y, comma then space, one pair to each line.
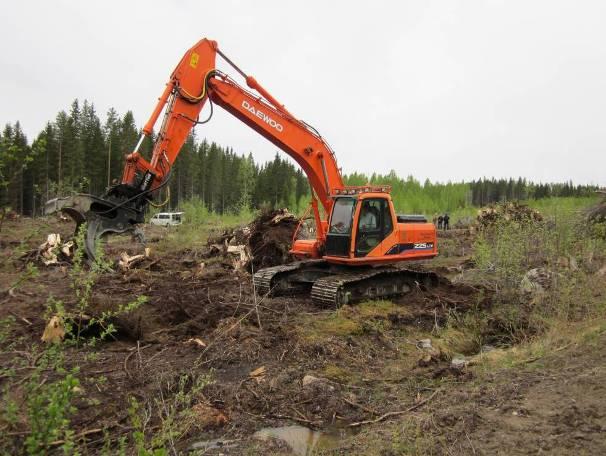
301, 440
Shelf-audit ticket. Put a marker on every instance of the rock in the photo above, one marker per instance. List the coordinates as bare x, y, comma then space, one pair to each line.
424, 344
311, 381
459, 363
536, 281
487, 348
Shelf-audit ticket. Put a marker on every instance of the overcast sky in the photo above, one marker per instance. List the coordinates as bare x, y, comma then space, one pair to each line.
448, 90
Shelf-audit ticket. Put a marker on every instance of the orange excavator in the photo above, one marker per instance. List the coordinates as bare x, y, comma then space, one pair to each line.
360, 242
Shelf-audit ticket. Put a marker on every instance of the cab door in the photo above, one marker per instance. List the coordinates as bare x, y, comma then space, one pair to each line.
338, 238
375, 223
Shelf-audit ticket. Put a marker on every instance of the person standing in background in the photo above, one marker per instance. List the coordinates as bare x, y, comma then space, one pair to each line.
446, 222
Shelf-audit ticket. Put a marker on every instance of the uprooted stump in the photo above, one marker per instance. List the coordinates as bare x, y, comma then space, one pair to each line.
598, 212
264, 242
505, 212
51, 252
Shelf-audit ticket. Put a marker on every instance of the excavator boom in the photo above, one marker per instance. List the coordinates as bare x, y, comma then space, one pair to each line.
358, 226
194, 83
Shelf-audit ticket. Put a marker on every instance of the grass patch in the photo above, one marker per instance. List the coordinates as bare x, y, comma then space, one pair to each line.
377, 309
198, 224
366, 317
316, 329
339, 374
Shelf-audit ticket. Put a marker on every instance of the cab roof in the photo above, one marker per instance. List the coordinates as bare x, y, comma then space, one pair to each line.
358, 189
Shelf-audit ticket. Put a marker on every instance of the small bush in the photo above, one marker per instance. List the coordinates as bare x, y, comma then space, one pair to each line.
566, 251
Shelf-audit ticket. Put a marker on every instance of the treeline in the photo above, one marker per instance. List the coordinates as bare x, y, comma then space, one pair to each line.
486, 191
77, 152
412, 196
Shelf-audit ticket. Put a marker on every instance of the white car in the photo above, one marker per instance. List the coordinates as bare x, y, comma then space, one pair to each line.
167, 219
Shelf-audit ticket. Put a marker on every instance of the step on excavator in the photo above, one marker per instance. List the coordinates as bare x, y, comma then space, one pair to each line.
360, 243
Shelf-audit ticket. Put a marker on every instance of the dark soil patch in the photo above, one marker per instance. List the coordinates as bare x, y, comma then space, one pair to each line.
560, 409
215, 304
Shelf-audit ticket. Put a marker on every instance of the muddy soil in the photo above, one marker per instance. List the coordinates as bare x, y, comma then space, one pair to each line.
205, 321
557, 407
553, 405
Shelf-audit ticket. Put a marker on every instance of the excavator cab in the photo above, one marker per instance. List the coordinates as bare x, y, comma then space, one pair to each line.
364, 229
358, 224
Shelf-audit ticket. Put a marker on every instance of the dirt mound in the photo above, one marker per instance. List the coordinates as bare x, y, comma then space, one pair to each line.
264, 242
509, 211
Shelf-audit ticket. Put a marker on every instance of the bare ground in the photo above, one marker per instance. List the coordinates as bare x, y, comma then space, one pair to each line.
368, 355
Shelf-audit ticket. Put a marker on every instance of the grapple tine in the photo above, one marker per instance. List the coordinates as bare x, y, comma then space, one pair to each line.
102, 217
91, 239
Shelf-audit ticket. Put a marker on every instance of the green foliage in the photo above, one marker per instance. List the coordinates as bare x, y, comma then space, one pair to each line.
16, 159
49, 407
77, 153
198, 222
172, 405
138, 434
48, 404
563, 251
6, 327
410, 196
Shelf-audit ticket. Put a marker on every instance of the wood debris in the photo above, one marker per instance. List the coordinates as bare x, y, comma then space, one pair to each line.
126, 261
54, 331
258, 374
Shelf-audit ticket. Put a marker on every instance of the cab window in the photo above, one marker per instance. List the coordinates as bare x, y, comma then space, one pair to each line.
342, 214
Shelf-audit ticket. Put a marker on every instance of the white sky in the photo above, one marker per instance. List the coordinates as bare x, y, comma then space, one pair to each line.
448, 90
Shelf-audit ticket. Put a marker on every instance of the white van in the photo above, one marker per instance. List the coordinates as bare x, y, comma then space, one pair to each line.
167, 219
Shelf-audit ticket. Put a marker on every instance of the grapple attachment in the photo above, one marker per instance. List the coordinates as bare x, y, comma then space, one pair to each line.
102, 216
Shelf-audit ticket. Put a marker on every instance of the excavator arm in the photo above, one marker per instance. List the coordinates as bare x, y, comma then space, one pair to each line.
195, 82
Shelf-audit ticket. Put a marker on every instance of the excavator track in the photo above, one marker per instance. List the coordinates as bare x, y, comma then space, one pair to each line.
265, 280
374, 283
334, 286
